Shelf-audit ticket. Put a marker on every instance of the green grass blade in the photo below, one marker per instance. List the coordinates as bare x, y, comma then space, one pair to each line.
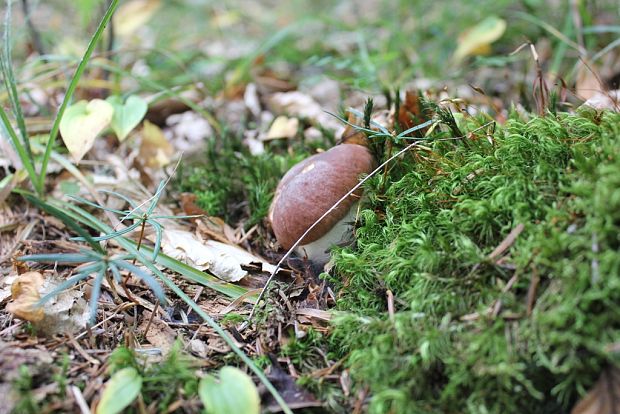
94, 296
122, 197
21, 151
11, 85
145, 277
71, 90
415, 128
56, 258
90, 203
112, 235
115, 272
158, 236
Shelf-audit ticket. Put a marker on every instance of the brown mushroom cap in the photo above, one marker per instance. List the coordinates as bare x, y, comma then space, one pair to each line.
312, 187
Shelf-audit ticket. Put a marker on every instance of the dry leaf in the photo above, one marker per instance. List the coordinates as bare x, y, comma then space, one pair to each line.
604, 398
25, 293
160, 334
303, 106
131, 15
282, 127
221, 259
410, 113
155, 150
588, 83
605, 100
477, 40
82, 123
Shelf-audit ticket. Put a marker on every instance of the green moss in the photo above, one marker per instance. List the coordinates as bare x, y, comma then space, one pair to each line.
231, 183
462, 339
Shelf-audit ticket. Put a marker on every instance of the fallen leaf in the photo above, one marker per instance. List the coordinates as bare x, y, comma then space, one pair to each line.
127, 115
410, 113
155, 150
120, 391
234, 393
477, 40
604, 397
282, 127
588, 83
160, 334
605, 100
25, 293
301, 105
82, 123
223, 260
131, 15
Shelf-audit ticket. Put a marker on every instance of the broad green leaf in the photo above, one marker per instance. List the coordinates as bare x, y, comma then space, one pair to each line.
120, 391
82, 123
477, 40
234, 393
127, 116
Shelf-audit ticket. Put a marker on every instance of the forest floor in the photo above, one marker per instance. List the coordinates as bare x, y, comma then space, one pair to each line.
139, 157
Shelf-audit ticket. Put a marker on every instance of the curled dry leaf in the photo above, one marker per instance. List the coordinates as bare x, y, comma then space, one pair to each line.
605, 100
604, 398
25, 293
223, 260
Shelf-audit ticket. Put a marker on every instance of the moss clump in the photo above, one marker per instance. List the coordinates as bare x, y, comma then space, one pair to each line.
526, 333
231, 183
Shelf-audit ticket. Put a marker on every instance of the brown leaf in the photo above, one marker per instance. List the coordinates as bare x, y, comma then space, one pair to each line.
604, 397
588, 83
410, 113
25, 294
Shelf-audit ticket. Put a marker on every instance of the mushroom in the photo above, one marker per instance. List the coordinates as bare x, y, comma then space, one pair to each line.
311, 188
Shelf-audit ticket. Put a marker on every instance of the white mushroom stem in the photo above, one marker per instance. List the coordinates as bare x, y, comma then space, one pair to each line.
318, 250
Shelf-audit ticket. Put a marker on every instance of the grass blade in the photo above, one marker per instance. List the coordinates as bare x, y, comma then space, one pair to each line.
11, 85
56, 258
94, 295
71, 90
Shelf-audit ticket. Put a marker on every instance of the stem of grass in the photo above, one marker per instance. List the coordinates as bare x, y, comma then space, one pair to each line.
71, 90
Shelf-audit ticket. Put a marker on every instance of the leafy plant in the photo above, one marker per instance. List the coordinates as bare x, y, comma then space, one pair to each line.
22, 145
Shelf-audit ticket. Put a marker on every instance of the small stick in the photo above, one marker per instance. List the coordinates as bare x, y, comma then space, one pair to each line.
390, 304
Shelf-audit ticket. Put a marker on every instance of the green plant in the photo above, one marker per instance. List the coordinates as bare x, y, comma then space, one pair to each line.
23, 146
23, 386
523, 330
74, 216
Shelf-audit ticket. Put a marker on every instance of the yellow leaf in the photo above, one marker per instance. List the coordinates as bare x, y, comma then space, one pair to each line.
283, 127
133, 15
25, 294
477, 40
82, 123
155, 150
